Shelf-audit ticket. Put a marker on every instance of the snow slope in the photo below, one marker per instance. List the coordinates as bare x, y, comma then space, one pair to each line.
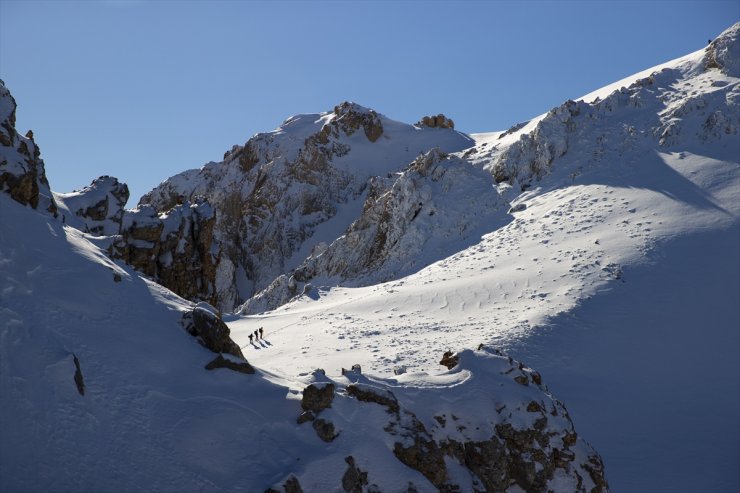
632, 182
103, 390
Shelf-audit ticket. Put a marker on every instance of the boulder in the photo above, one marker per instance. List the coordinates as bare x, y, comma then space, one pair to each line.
212, 331
316, 398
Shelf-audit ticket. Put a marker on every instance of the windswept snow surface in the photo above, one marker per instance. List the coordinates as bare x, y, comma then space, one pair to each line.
620, 279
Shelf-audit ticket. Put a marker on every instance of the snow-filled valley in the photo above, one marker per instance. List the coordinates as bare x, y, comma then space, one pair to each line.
597, 244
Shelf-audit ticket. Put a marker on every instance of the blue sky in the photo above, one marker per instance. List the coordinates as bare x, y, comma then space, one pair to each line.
143, 90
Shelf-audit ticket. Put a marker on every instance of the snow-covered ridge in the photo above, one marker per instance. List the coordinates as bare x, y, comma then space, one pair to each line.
96, 209
696, 95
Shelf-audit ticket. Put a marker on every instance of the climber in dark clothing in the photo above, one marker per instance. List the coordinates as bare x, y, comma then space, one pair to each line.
250, 338
261, 333
256, 335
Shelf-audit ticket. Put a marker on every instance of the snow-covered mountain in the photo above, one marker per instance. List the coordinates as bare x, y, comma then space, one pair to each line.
598, 242
286, 191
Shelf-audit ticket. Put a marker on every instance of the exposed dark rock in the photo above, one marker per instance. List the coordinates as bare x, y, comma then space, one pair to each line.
518, 208
292, 485
366, 393
79, 381
449, 360
521, 379
212, 332
438, 121
317, 398
22, 172
354, 478
324, 429
350, 117
174, 248
221, 362
423, 454
305, 416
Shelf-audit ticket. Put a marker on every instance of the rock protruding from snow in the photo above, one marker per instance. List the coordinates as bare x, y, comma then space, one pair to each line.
351, 116
99, 206
438, 121
439, 205
22, 172
206, 324
316, 398
690, 99
724, 52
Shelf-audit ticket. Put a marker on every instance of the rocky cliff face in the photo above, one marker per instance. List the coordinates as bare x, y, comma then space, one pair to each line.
274, 195
439, 205
22, 173
175, 248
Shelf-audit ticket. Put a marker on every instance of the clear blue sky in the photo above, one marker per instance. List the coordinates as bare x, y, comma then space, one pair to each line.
142, 90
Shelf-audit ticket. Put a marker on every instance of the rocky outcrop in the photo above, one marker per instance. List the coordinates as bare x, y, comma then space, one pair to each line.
205, 324
350, 117
22, 172
176, 248
324, 430
354, 478
438, 121
723, 53
78, 378
237, 366
99, 206
437, 206
316, 398
291, 485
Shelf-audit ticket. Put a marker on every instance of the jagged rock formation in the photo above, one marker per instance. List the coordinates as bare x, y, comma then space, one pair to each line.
428, 212
439, 121
273, 196
175, 248
99, 207
22, 172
